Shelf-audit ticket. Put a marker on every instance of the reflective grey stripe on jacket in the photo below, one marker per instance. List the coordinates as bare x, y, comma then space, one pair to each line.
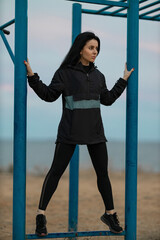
81, 104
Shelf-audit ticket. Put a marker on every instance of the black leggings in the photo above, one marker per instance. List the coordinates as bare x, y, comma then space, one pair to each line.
62, 156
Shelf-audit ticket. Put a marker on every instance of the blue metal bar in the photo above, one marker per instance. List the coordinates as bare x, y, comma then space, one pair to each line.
103, 2
76, 20
7, 24
103, 9
149, 5
88, 11
155, 16
118, 10
74, 164
73, 191
141, 1
106, 8
117, 14
7, 46
123, 15
75, 234
132, 121
149, 12
20, 95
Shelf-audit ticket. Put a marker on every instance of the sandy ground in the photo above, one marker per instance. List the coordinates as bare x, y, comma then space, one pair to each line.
90, 204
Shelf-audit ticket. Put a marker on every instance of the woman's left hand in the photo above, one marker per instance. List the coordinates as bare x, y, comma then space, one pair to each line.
127, 73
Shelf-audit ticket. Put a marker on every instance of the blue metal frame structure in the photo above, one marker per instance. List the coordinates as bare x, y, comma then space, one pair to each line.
20, 103
133, 14
123, 6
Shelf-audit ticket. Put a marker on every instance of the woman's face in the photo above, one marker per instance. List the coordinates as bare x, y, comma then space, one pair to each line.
89, 52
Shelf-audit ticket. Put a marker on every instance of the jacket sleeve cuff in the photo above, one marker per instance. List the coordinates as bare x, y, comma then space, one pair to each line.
123, 82
33, 78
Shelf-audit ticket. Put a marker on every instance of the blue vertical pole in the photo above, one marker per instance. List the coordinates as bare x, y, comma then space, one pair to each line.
132, 121
76, 20
74, 164
73, 191
20, 92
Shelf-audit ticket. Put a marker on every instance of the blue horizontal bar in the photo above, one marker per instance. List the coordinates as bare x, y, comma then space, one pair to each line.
106, 8
141, 1
7, 46
103, 2
153, 18
119, 10
103, 9
75, 234
149, 12
123, 15
149, 5
104, 13
7, 24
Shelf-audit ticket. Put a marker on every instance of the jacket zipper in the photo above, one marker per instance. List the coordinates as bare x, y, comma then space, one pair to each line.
92, 69
88, 84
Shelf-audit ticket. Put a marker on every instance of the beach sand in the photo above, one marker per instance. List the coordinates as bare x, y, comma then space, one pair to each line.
90, 204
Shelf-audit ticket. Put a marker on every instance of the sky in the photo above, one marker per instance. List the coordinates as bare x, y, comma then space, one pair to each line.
49, 38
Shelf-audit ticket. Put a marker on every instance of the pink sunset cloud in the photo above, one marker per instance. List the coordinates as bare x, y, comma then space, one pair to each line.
6, 87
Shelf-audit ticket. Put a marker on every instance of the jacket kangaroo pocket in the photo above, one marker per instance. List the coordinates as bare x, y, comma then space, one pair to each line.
85, 123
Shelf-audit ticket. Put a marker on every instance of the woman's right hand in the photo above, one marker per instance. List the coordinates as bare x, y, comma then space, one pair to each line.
29, 69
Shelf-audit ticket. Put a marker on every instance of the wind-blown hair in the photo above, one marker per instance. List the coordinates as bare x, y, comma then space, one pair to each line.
73, 56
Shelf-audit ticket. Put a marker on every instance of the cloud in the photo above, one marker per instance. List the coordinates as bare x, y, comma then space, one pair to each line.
153, 47
57, 30
49, 28
7, 87
115, 39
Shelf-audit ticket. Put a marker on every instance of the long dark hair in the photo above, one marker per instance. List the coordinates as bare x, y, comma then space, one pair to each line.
73, 55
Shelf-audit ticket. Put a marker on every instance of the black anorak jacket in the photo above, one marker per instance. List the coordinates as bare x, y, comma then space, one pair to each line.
82, 94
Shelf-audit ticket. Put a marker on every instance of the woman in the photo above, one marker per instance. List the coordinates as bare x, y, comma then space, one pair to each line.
83, 88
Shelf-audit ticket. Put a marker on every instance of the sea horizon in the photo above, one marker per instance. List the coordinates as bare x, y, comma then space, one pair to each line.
40, 155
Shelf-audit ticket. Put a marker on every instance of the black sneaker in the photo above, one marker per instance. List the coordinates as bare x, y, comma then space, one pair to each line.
41, 229
112, 221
